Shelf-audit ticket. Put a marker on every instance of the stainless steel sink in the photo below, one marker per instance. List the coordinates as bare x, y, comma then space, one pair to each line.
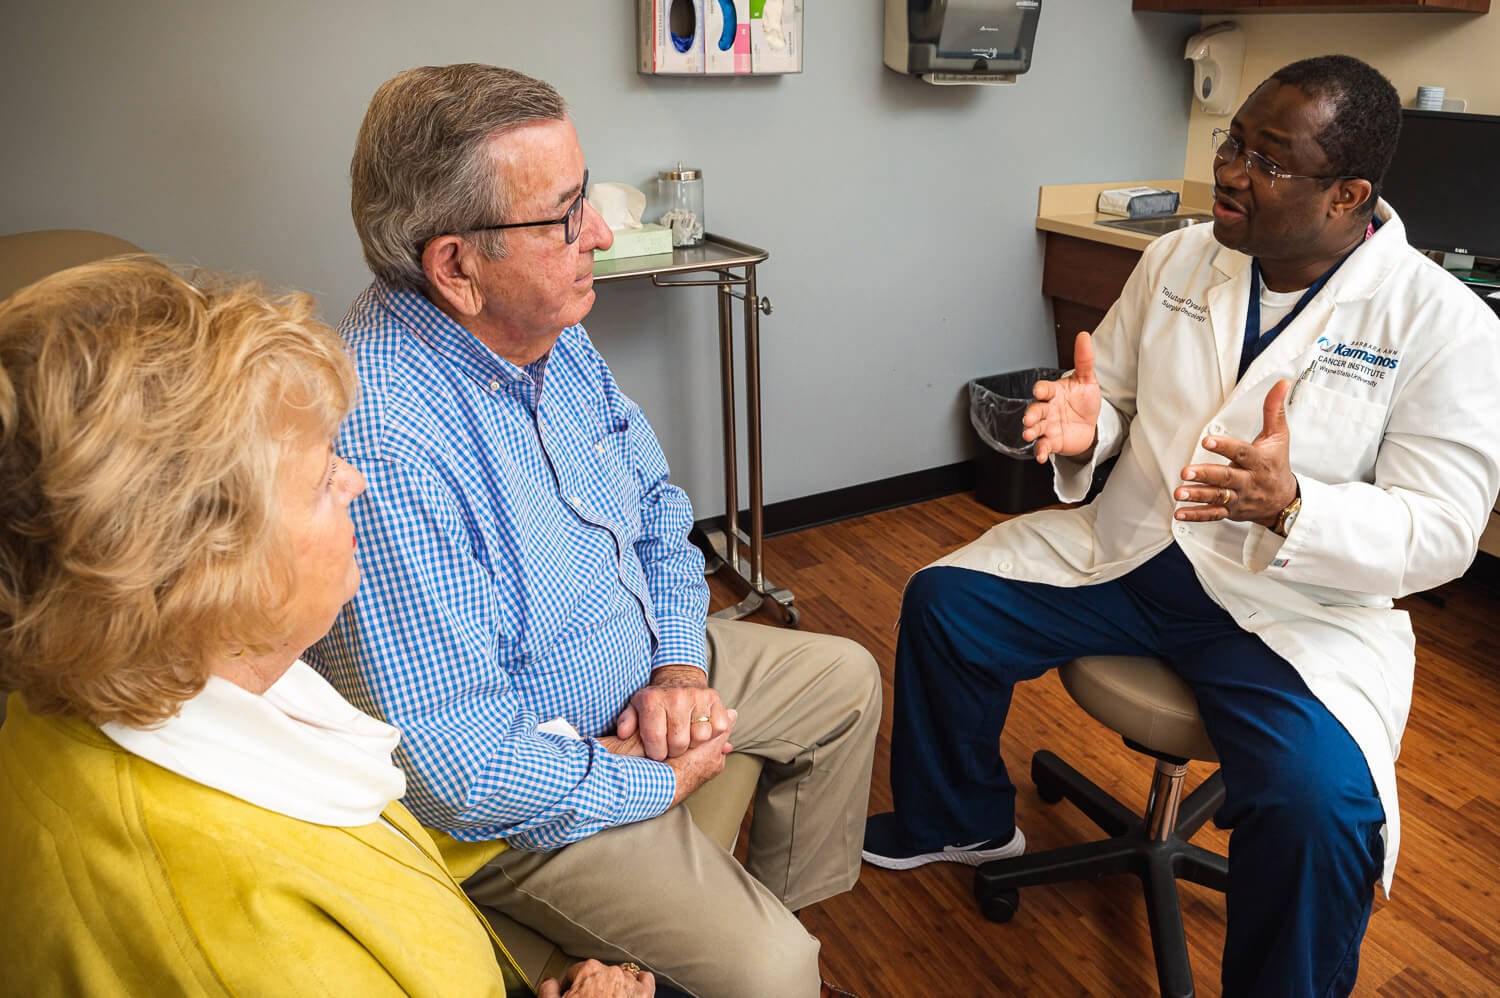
1160, 225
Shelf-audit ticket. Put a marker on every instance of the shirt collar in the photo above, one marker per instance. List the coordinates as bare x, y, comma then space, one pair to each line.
438, 330
299, 749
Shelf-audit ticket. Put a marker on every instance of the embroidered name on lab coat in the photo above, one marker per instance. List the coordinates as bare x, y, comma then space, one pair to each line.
1359, 361
1174, 302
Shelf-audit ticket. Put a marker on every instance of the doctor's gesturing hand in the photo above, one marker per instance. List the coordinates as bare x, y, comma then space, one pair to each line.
1064, 418
1256, 484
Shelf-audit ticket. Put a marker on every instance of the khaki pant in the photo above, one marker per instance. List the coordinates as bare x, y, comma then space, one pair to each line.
664, 895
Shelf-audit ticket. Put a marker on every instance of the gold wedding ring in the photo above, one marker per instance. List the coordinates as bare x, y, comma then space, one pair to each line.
1223, 497
701, 719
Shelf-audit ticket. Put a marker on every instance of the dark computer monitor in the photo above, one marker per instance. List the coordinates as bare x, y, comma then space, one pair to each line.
1442, 181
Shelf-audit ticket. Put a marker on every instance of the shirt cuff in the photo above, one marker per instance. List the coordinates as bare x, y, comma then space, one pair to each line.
651, 785
1266, 550
1071, 478
1262, 548
681, 642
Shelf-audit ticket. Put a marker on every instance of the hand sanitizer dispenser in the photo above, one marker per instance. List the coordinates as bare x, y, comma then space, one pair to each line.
1218, 54
961, 41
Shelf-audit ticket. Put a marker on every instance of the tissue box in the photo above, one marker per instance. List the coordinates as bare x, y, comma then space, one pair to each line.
648, 240
1137, 202
659, 50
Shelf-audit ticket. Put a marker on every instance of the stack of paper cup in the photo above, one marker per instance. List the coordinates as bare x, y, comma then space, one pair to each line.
1430, 98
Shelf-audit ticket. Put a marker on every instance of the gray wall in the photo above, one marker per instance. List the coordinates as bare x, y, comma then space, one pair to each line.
898, 215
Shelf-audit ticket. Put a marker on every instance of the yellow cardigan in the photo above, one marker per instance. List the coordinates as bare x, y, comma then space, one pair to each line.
119, 877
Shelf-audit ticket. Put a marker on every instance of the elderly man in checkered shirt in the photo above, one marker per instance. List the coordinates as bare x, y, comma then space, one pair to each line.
532, 615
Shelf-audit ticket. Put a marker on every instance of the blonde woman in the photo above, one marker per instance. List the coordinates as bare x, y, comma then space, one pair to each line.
185, 807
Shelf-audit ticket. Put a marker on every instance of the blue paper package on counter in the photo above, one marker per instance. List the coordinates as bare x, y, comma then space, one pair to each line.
1138, 202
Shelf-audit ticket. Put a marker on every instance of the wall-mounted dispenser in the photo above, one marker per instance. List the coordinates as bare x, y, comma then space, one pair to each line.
961, 41
672, 36
726, 44
775, 36
1218, 54
710, 37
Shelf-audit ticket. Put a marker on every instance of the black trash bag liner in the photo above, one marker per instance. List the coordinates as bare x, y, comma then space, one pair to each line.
997, 403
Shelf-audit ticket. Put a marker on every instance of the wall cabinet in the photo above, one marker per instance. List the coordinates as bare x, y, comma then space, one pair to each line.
1311, 6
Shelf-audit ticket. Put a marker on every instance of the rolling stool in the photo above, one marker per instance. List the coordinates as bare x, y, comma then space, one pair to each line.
1155, 712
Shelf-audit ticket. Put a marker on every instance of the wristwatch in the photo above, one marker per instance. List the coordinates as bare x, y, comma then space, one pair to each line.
1288, 517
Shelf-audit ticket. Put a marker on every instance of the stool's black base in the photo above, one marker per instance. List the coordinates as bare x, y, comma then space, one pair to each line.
1130, 849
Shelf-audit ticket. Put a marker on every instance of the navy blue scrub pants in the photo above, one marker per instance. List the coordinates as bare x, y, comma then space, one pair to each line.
1305, 849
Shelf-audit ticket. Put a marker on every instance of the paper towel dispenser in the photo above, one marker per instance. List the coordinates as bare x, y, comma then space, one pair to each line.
961, 41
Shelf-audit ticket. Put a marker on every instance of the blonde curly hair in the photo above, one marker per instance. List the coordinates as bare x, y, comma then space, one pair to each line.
144, 418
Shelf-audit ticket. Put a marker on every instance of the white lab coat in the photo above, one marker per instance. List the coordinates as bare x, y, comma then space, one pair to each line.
1395, 433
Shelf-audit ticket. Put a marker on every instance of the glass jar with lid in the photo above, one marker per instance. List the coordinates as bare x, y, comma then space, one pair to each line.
679, 195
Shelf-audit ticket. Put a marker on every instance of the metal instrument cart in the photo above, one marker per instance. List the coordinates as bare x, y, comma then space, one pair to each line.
724, 550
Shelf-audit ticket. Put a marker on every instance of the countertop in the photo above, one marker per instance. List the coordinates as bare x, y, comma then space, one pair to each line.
1068, 209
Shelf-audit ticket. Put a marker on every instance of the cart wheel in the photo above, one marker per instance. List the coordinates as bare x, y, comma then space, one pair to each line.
1002, 906
793, 616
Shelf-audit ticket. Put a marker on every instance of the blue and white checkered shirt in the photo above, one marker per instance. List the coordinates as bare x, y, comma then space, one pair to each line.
524, 558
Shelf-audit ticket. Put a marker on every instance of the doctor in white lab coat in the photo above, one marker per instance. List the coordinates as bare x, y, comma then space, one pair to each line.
1278, 483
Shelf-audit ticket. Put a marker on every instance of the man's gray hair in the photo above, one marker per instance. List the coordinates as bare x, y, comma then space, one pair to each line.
423, 166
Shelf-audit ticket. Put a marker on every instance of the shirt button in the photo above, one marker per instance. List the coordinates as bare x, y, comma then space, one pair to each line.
1004, 566
600, 447
1216, 427
494, 386
1181, 530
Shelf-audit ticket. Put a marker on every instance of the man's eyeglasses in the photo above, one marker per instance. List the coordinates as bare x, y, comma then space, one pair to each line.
571, 221
1227, 149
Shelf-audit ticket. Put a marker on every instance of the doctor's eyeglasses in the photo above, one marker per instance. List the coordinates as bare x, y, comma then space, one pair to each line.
1227, 149
571, 221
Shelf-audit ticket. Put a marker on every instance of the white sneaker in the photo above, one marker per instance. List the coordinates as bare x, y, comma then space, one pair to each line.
970, 855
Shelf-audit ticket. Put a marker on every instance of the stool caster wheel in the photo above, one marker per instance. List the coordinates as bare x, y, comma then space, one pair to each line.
1048, 787
793, 616
1000, 906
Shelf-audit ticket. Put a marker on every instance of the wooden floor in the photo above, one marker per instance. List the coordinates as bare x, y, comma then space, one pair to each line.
920, 933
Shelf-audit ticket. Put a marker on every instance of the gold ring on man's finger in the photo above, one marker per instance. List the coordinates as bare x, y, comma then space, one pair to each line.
700, 719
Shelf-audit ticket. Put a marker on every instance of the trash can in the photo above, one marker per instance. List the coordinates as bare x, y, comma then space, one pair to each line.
1008, 478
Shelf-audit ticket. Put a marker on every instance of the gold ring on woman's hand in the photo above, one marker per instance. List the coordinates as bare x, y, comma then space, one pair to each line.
631, 968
